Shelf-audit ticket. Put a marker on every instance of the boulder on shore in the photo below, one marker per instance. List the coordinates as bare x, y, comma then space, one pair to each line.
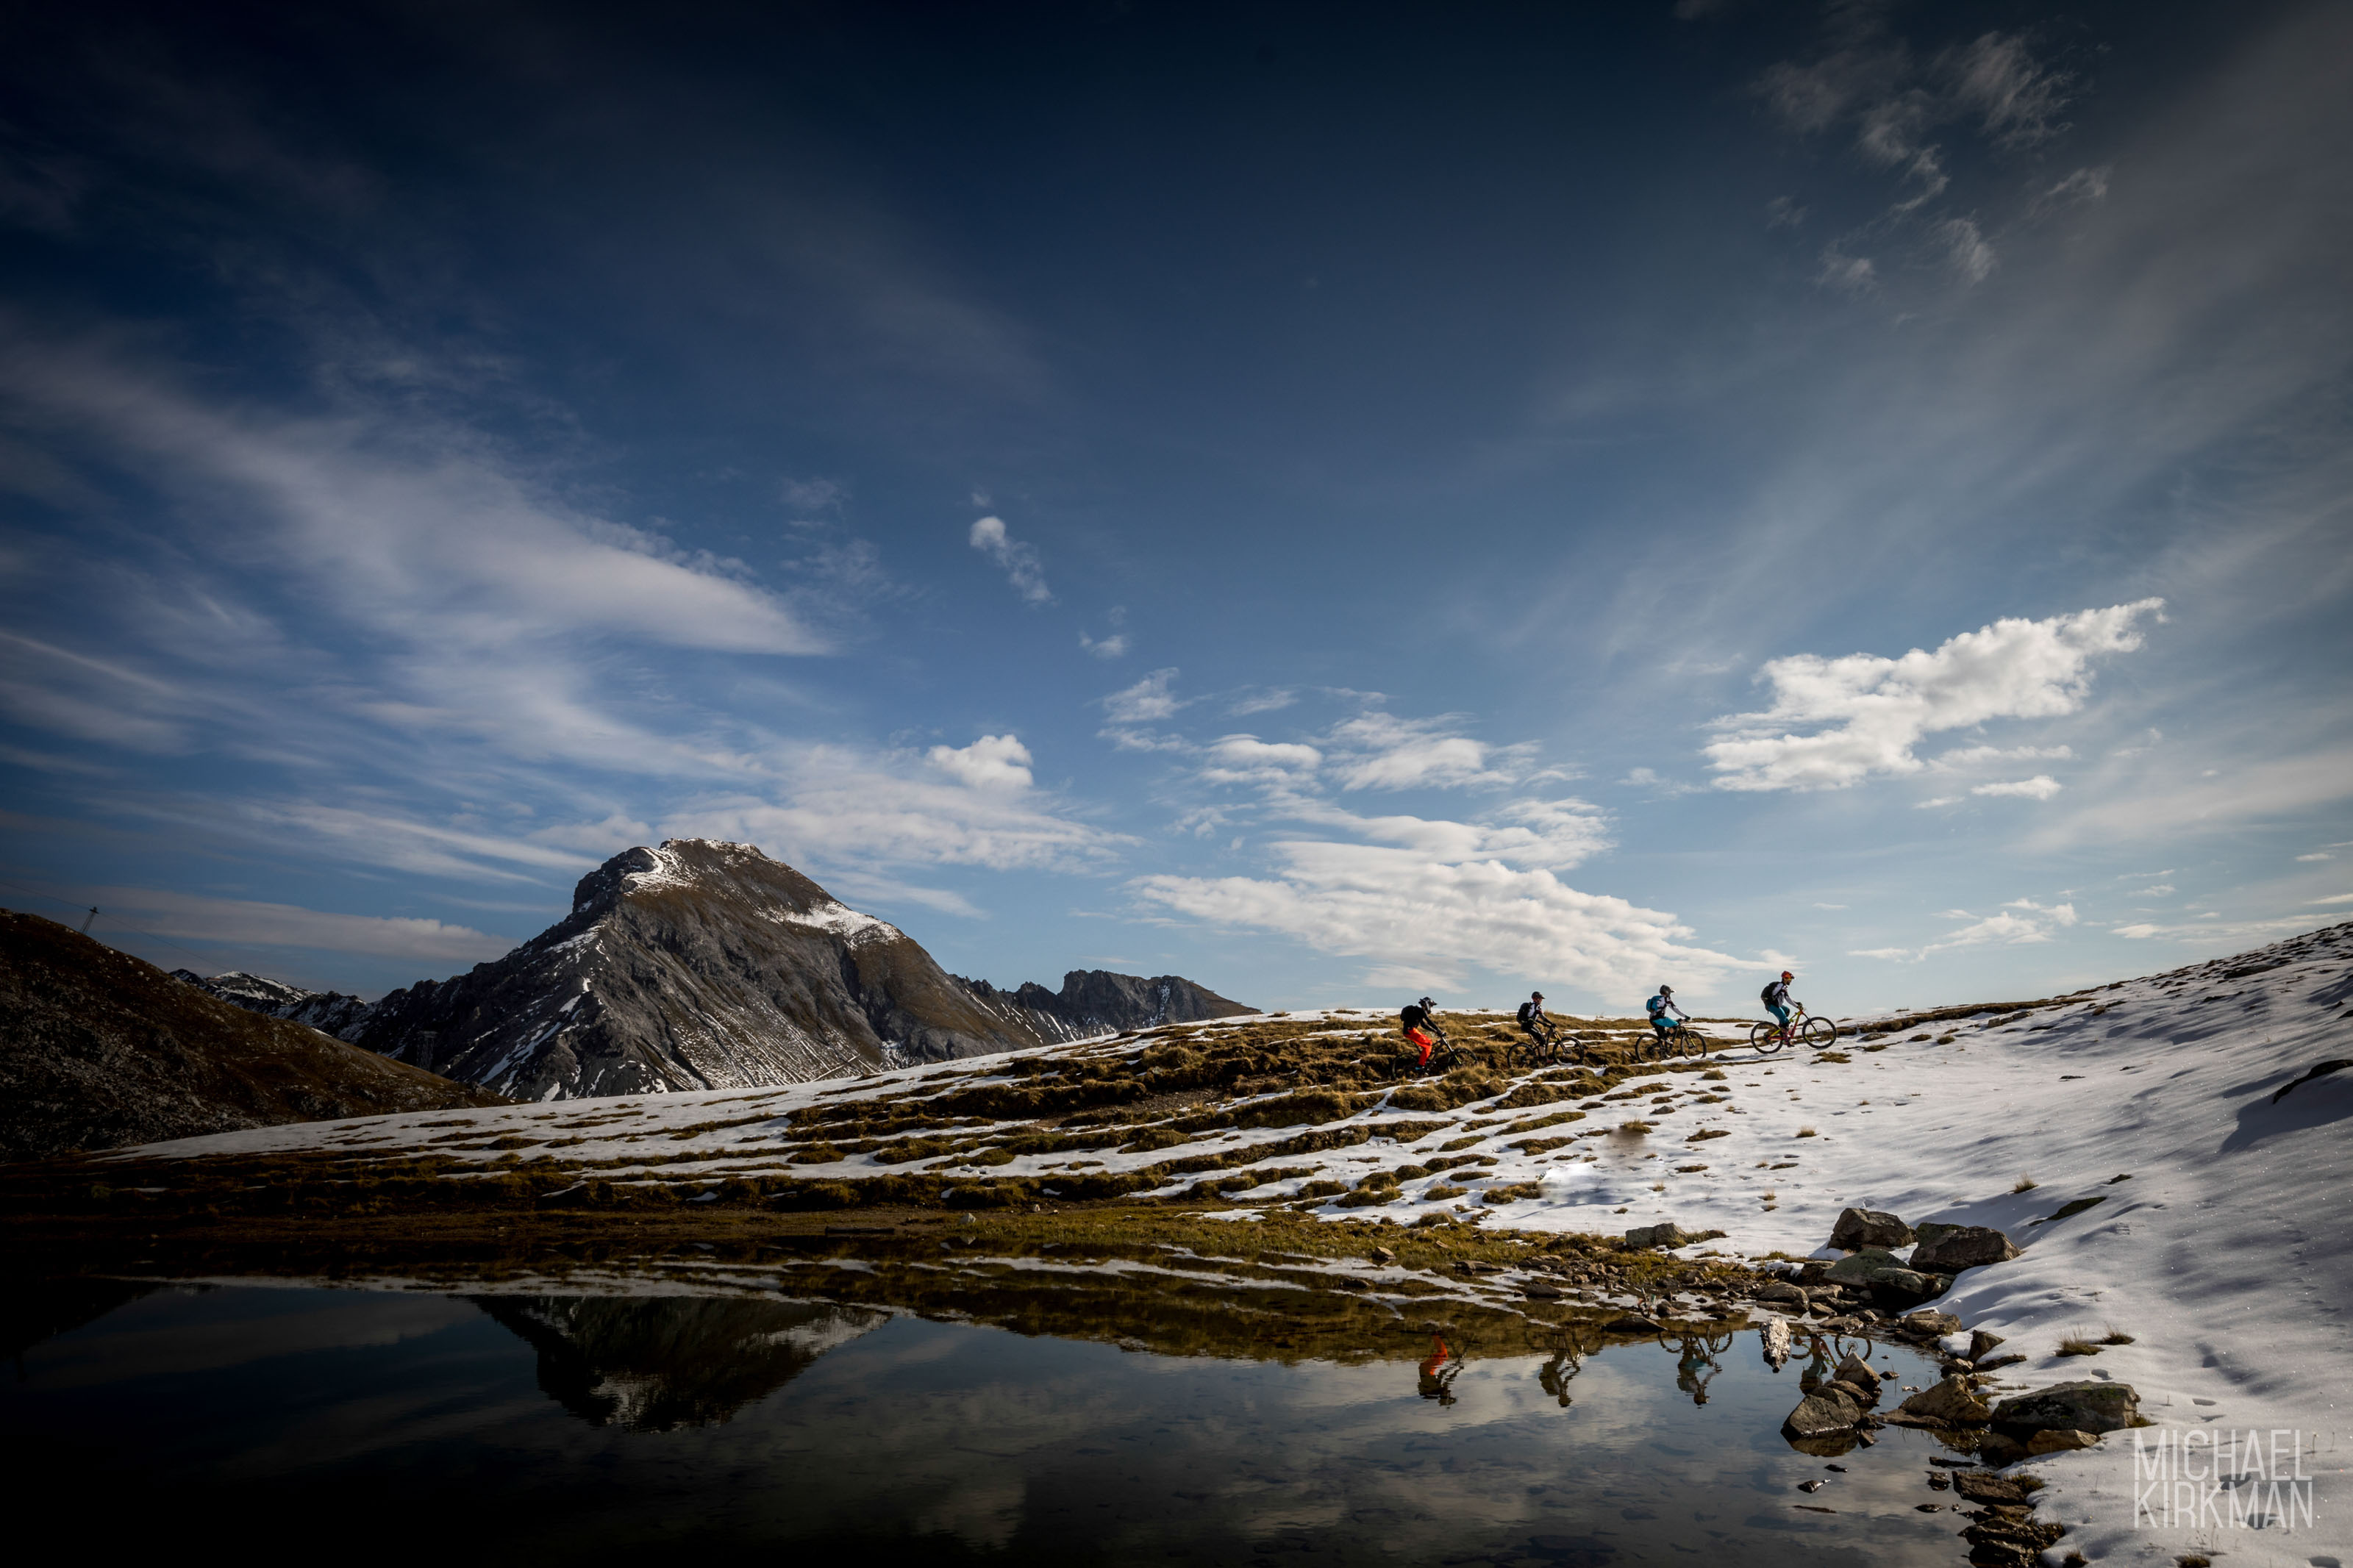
1859, 1269
1951, 1403
2053, 1440
1960, 1246
1859, 1228
1928, 1321
1669, 1236
2090, 1406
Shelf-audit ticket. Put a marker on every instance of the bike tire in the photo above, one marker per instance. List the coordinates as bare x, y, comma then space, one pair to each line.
1820, 1033
1765, 1037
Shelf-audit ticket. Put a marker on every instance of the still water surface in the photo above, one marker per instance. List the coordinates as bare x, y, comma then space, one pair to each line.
566, 1429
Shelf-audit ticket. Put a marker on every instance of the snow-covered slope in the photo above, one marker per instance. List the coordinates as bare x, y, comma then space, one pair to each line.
2173, 1114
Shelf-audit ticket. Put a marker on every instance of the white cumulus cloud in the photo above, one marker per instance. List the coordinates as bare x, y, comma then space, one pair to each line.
1835, 722
993, 762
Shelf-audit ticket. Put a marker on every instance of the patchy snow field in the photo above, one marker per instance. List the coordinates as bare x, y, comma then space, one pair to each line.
2210, 1213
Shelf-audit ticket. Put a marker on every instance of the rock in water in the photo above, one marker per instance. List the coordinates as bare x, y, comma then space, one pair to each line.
1982, 1487
1951, 1403
1774, 1337
2092, 1407
1830, 1408
1960, 1246
1859, 1228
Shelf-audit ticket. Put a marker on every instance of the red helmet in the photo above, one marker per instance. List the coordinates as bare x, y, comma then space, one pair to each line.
1786, 975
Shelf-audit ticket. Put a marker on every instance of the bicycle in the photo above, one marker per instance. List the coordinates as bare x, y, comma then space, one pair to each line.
1770, 1036
1444, 1057
1546, 1050
1683, 1040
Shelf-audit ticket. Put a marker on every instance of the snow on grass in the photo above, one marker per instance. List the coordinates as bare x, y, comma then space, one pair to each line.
2201, 1219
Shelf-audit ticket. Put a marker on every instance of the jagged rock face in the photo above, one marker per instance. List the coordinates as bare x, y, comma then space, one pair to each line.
696, 965
330, 1011
1098, 1002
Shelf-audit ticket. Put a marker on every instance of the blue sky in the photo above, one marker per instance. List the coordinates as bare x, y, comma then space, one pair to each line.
1332, 502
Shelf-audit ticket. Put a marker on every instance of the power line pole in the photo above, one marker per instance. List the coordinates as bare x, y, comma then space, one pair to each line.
88, 918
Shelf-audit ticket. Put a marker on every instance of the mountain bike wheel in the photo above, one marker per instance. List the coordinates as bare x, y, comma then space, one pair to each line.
1765, 1037
1695, 1045
1819, 1033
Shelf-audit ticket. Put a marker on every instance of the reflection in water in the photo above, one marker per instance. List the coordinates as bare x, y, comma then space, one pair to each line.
593, 1429
1439, 1370
656, 1363
1698, 1352
32, 1312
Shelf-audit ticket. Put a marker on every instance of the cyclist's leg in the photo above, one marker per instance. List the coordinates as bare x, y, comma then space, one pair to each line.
1782, 1014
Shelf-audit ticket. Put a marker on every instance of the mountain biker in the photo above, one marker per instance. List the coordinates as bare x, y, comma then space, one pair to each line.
1533, 1019
1778, 1001
1421, 1027
1663, 1011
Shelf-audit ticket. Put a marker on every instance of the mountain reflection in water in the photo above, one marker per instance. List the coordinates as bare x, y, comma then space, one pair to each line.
657, 1363
571, 1428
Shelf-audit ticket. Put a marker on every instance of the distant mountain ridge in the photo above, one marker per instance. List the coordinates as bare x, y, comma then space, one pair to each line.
99, 1049
700, 964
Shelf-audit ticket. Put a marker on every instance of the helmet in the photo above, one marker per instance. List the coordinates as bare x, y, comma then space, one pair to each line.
1666, 990
1786, 975
1535, 996
1425, 1001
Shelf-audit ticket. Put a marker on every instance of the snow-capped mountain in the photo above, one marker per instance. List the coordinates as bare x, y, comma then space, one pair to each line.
707, 965
330, 1011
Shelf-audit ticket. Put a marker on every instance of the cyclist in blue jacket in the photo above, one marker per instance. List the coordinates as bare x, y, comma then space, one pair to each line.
1663, 1011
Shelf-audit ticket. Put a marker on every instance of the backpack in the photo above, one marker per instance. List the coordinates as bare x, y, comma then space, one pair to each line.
1657, 1004
1766, 996
1525, 1009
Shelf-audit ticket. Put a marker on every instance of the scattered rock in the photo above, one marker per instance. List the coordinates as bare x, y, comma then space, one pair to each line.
2095, 1407
1781, 1291
1928, 1321
1775, 1336
1981, 1343
1902, 1287
1631, 1323
1951, 1403
1542, 1290
1668, 1236
1859, 1228
1830, 1408
1859, 1378
1963, 1247
2055, 1440
1859, 1268
1997, 1450
1985, 1487
1813, 1486
1927, 1507
1385, 1254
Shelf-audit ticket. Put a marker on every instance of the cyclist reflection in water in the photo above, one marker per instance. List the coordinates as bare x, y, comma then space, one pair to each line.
1554, 1374
1697, 1353
1439, 1370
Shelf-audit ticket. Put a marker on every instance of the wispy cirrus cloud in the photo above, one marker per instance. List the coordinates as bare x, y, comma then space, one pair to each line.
192, 916
1835, 722
2019, 923
1022, 565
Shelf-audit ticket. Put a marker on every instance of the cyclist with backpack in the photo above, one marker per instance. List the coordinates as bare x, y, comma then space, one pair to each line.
1664, 1014
1421, 1027
1533, 1019
1778, 1000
